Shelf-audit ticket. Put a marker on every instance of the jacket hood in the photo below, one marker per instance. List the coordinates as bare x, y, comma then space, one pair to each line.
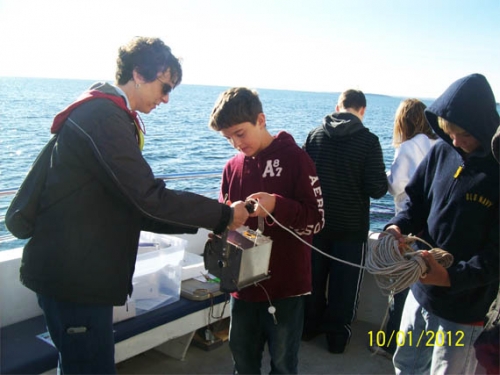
97, 90
280, 141
105, 88
100, 91
469, 103
342, 124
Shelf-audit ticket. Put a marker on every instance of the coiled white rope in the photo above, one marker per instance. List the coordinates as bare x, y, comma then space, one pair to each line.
396, 266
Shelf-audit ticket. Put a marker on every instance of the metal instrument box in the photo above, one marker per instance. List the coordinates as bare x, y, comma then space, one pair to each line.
239, 258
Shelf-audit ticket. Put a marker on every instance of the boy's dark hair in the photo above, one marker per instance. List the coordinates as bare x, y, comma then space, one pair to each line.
235, 106
354, 99
149, 56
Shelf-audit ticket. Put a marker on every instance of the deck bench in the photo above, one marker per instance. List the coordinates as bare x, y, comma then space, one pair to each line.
169, 329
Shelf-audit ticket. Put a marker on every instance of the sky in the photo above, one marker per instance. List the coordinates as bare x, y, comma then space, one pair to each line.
394, 47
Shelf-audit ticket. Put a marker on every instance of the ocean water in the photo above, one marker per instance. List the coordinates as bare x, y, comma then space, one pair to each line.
178, 139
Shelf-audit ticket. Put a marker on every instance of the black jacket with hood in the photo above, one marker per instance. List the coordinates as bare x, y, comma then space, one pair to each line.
351, 170
99, 194
454, 202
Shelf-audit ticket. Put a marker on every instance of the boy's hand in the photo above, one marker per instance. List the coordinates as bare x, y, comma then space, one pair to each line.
396, 232
240, 215
266, 200
437, 274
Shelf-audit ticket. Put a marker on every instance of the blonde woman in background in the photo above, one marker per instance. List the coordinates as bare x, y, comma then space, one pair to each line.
412, 139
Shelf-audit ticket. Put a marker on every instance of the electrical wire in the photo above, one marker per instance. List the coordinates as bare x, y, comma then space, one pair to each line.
271, 309
395, 266
304, 241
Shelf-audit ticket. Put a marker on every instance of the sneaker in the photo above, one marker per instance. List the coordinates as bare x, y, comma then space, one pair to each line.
380, 351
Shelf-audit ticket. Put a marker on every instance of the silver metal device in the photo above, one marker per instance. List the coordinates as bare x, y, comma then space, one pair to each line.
238, 258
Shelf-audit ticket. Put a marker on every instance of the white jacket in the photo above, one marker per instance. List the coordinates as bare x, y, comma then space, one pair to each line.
406, 160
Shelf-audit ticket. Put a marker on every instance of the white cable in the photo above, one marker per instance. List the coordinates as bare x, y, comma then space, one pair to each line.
304, 241
271, 309
395, 267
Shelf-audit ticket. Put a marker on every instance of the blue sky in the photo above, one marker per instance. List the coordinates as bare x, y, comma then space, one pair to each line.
393, 47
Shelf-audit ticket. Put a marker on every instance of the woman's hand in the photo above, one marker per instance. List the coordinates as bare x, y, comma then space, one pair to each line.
240, 215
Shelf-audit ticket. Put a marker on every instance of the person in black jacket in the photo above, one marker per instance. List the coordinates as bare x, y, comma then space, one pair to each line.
351, 170
99, 194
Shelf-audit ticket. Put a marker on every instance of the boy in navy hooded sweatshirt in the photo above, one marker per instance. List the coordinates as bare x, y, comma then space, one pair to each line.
277, 173
454, 201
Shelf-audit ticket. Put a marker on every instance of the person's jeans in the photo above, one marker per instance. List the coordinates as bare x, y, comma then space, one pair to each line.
252, 326
83, 335
433, 345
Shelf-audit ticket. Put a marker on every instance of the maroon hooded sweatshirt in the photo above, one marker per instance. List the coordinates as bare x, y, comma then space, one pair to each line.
283, 169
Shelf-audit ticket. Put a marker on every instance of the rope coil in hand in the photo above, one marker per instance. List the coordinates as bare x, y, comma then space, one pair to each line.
396, 266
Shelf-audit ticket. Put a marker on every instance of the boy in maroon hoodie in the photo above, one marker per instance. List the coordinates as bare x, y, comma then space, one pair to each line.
281, 177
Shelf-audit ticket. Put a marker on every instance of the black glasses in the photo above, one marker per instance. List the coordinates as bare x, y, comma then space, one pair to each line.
166, 88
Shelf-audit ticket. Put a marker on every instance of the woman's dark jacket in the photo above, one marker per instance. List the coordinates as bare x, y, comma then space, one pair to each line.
100, 192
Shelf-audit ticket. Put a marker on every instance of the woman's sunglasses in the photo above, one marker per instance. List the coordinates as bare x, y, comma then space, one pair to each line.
166, 88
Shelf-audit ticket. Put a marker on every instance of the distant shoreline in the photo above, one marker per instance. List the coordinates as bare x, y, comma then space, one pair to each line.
224, 87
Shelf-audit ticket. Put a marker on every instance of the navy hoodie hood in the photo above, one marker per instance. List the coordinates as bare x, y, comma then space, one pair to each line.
469, 103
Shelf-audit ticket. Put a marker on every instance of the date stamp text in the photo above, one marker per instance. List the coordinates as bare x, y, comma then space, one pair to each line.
425, 338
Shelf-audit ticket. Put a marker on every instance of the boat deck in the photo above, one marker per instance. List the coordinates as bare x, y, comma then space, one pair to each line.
314, 359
